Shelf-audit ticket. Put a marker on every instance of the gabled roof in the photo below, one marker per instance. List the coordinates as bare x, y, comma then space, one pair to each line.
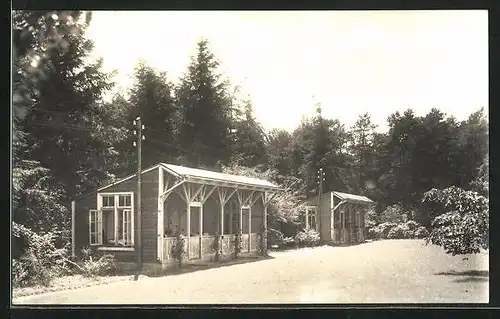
350, 198
195, 173
203, 175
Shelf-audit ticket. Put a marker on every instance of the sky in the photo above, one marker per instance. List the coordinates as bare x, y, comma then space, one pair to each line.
351, 62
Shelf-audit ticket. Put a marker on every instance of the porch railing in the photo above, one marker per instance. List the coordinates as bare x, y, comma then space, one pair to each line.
207, 246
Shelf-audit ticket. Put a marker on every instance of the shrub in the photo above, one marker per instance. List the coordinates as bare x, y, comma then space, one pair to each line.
217, 247
178, 249
288, 242
392, 214
95, 264
463, 227
40, 261
275, 238
262, 241
398, 232
309, 237
237, 244
381, 231
421, 232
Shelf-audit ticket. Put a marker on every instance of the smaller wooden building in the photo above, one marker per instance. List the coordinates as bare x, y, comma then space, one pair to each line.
338, 217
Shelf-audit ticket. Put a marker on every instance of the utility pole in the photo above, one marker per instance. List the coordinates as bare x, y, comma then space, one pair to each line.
321, 179
138, 244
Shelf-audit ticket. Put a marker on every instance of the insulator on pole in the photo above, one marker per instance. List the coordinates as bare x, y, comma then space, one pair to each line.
135, 123
135, 144
135, 132
144, 137
143, 126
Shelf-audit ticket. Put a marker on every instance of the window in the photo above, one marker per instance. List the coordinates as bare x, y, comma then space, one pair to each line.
95, 227
113, 222
108, 201
124, 200
312, 219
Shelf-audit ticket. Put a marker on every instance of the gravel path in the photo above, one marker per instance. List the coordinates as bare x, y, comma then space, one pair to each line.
391, 271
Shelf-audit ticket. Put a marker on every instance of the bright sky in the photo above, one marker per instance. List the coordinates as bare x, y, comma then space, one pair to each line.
351, 61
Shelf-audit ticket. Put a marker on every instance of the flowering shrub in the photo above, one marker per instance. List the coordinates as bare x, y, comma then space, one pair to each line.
463, 227
381, 231
309, 237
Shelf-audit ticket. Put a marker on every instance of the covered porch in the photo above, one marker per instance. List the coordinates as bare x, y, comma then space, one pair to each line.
204, 205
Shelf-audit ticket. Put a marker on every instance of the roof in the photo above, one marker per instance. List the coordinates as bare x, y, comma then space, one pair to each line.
218, 177
350, 198
205, 175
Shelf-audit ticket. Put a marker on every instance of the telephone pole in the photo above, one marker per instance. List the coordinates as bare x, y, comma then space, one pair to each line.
321, 179
138, 241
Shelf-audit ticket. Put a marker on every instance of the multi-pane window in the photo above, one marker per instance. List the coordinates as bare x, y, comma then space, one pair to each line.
113, 222
95, 230
108, 201
312, 219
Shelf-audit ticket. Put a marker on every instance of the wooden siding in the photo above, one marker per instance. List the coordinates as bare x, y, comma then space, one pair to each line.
149, 215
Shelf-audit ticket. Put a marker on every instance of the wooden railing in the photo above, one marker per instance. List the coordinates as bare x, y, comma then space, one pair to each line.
207, 245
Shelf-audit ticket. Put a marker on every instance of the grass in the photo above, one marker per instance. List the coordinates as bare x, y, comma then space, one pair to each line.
66, 283
79, 281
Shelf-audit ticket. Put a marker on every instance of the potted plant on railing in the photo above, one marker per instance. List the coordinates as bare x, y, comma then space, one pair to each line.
178, 250
217, 247
237, 244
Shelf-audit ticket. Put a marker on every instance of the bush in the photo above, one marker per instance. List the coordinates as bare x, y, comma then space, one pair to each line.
463, 226
408, 230
381, 231
95, 265
398, 232
40, 261
178, 249
421, 232
275, 237
288, 242
309, 237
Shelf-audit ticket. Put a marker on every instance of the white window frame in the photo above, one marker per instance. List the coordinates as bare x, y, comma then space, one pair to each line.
125, 210
98, 221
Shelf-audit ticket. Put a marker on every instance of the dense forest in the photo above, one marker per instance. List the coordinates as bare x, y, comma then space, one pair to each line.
68, 139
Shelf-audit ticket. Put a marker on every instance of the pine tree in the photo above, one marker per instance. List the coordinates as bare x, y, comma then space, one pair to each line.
205, 109
66, 121
152, 99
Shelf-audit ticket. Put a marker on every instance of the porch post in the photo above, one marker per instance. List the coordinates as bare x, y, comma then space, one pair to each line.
72, 228
241, 220
307, 217
160, 222
249, 227
201, 229
188, 230
231, 220
221, 232
332, 217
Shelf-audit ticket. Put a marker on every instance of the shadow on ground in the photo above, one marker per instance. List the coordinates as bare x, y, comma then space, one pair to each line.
468, 276
192, 267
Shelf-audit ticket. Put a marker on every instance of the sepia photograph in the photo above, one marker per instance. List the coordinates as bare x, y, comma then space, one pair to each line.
249, 157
